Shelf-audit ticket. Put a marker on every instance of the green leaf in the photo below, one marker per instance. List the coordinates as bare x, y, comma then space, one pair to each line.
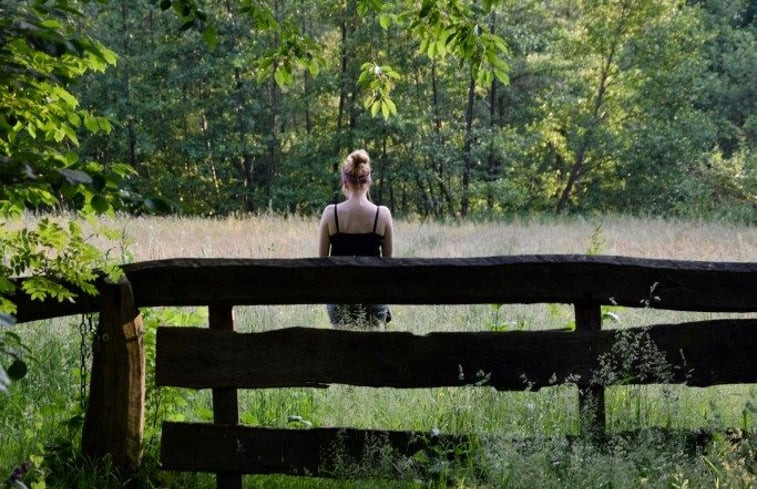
104, 124
210, 36
109, 56
431, 52
424, 45
6, 285
385, 21
100, 204
51, 24
425, 8
391, 105
38, 485
17, 370
187, 25
385, 111
91, 123
66, 96
283, 76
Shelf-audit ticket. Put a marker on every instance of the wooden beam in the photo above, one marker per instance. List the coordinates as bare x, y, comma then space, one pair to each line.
114, 422
225, 402
698, 354
631, 282
29, 309
323, 452
591, 398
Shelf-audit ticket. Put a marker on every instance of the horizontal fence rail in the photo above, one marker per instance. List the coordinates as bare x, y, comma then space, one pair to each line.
312, 452
604, 280
697, 354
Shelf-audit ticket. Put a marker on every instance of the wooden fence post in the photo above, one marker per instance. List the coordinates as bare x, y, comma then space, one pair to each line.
591, 399
225, 402
114, 422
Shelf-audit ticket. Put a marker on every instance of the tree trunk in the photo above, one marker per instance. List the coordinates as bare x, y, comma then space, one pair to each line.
272, 146
422, 203
346, 89
493, 162
246, 159
465, 201
352, 75
270, 173
308, 123
575, 170
597, 116
247, 168
125, 81
437, 161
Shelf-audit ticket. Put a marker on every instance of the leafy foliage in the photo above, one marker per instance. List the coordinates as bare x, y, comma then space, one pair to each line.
40, 170
571, 110
11, 347
39, 116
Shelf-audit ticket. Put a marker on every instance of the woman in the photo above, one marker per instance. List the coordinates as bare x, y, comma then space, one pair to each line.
356, 227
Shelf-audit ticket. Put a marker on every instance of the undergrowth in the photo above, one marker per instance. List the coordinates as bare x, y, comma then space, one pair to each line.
520, 439
659, 436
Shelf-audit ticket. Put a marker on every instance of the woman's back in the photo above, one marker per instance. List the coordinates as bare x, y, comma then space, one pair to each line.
352, 238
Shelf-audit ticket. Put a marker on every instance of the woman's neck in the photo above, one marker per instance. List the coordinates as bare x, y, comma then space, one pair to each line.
358, 197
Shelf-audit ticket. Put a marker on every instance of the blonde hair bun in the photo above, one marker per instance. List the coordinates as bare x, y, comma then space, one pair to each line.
357, 166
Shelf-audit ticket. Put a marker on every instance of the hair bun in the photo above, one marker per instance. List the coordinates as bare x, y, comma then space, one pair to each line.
359, 158
357, 167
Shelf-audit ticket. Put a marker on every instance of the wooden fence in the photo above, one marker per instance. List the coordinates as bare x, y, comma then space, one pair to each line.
218, 358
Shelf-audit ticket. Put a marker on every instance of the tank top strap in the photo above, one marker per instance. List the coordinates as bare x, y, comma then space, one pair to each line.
375, 219
336, 219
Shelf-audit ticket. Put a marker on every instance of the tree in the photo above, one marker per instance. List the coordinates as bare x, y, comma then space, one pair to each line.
607, 28
40, 121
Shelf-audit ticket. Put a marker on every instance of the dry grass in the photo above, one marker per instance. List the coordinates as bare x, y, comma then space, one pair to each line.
294, 237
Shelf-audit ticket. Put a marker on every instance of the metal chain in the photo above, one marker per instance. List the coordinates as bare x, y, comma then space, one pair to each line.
87, 333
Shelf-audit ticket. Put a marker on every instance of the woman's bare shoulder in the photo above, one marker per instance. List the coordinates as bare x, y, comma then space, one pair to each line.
328, 213
328, 208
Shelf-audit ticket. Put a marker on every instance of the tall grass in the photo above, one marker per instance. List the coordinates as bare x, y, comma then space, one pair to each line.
270, 236
43, 409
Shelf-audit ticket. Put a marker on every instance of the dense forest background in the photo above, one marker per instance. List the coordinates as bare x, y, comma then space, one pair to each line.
639, 106
642, 107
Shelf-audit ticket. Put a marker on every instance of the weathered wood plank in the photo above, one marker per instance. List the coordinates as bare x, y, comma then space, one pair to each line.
35, 310
699, 354
681, 285
678, 285
591, 399
114, 421
225, 401
254, 450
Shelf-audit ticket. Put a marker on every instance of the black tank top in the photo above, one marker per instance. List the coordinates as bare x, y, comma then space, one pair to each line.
356, 244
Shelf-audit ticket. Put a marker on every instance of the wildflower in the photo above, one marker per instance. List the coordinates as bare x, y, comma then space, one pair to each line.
18, 473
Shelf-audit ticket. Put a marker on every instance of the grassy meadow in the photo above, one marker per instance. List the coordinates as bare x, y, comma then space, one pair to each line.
40, 421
